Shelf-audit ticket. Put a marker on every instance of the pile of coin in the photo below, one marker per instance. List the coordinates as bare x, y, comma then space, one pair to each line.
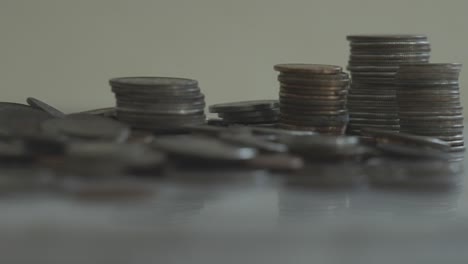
248, 112
373, 64
313, 97
429, 101
158, 103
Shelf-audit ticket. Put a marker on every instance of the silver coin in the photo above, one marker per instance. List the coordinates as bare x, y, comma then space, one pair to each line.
308, 102
166, 82
106, 112
280, 132
84, 126
373, 115
38, 104
311, 98
252, 120
161, 99
19, 119
312, 82
379, 98
246, 140
392, 56
375, 121
431, 67
330, 130
313, 92
429, 92
434, 118
249, 114
387, 38
111, 159
391, 137
312, 77
243, 106
373, 74
395, 62
313, 111
411, 151
308, 68
325, 147
197, 147
373, 68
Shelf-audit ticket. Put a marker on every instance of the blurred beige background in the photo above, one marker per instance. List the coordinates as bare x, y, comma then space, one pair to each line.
65, 51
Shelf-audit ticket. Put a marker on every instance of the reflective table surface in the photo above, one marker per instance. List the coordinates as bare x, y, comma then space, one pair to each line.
219, 216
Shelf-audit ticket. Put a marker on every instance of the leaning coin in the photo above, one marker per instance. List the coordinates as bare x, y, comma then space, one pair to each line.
38, 104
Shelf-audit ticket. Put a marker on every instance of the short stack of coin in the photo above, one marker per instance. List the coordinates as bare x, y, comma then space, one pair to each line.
429, 101
373, 64
313, 97
158, 103
248, 112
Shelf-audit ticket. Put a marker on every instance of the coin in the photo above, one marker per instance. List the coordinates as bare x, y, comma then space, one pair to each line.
277, 162
390, 137
250, 114
308, 68
326, 147
204, 148
85, 126
331, 130
152, 82
106, 112
387, 38
19, 119
247, 140
244, 106
38, 104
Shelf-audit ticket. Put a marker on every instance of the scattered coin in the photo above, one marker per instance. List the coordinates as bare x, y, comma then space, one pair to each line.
86, 127
203, 148
19, 119
326, 147
108, 159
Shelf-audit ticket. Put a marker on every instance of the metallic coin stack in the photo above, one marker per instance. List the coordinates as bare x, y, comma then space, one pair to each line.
373, 64
158, 103
248, 112
313, 97
429, 101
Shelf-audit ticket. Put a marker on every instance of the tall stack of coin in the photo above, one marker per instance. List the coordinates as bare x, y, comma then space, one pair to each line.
248, 112
158, 103
313, 97
373, 64
429, 101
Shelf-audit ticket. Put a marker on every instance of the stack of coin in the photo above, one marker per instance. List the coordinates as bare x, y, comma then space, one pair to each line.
313, 97
248, 112
158, 103
429, 101
373, 64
